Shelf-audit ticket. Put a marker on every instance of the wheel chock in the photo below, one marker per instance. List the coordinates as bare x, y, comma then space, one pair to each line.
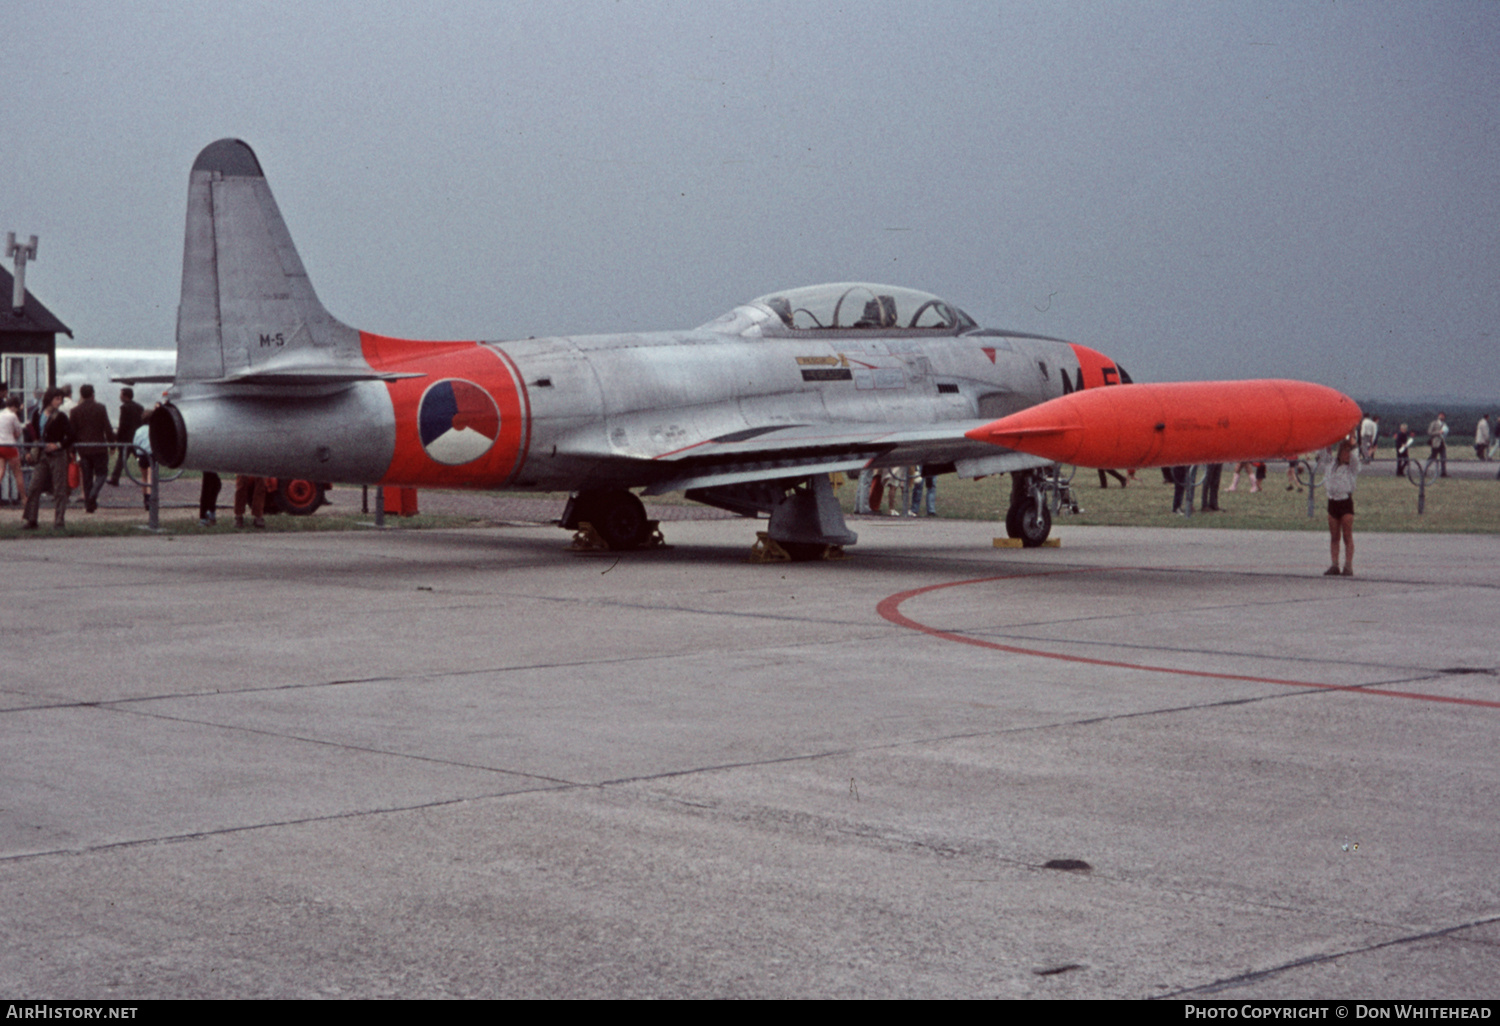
1016, 543
653, 537
586, 539
767, 551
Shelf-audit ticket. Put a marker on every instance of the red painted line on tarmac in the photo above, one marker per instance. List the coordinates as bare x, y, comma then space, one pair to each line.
890, 608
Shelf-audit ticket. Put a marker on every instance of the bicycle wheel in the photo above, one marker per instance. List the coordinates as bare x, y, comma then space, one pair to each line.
163, 474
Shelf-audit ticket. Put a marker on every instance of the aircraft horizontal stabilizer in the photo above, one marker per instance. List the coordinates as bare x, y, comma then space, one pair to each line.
309, 376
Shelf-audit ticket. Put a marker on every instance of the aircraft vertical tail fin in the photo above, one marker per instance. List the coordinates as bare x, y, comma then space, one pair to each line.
248, 309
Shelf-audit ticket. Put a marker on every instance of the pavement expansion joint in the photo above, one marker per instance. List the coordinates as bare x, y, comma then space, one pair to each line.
345, 746
932, 740
1261, 974
198, 835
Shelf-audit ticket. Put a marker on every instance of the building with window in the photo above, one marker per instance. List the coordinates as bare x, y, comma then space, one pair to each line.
28, 344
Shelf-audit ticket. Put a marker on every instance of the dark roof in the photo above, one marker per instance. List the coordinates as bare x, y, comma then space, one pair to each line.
35, 316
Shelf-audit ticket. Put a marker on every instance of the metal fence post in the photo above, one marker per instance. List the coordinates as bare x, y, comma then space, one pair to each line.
1307, 473
153, 479
1419, 474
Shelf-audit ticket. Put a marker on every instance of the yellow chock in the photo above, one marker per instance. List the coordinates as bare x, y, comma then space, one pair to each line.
586, 539
1016, 543
767, 551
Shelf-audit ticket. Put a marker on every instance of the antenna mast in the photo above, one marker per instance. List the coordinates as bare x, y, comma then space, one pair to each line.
22, 254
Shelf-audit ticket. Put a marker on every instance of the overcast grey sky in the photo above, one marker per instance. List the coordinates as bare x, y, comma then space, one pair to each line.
1202, 190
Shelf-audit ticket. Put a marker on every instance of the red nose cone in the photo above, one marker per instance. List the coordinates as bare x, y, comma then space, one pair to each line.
1179, 423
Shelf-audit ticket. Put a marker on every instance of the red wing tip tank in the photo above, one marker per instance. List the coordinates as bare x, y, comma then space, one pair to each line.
1162, 425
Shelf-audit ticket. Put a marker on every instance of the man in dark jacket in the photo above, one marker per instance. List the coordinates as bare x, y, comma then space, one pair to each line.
131, 415
92, 431
55, 433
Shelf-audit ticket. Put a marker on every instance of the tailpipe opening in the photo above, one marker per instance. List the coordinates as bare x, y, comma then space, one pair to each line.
168, 436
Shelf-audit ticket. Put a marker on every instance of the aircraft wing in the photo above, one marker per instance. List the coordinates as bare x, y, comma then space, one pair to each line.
770, 453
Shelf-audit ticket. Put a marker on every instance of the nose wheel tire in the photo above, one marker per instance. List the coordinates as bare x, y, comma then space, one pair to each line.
1029, 523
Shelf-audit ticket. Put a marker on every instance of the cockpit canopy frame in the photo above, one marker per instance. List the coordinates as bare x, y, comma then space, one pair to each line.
856, 308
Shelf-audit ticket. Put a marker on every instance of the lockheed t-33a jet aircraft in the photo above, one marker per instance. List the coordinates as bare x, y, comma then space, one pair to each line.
750, 412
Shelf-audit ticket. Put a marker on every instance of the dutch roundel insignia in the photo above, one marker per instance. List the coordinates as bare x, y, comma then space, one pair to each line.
458, 422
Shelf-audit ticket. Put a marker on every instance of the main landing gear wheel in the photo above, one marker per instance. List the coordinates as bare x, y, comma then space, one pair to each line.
617, 516
299, 497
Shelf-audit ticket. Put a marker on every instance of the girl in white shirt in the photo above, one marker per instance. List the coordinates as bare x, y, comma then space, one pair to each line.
10, 441
1339, 483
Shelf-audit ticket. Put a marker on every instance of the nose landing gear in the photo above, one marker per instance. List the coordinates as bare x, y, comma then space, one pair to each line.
1029, 517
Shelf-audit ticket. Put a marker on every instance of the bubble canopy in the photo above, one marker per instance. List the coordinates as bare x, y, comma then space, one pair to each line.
857, 306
